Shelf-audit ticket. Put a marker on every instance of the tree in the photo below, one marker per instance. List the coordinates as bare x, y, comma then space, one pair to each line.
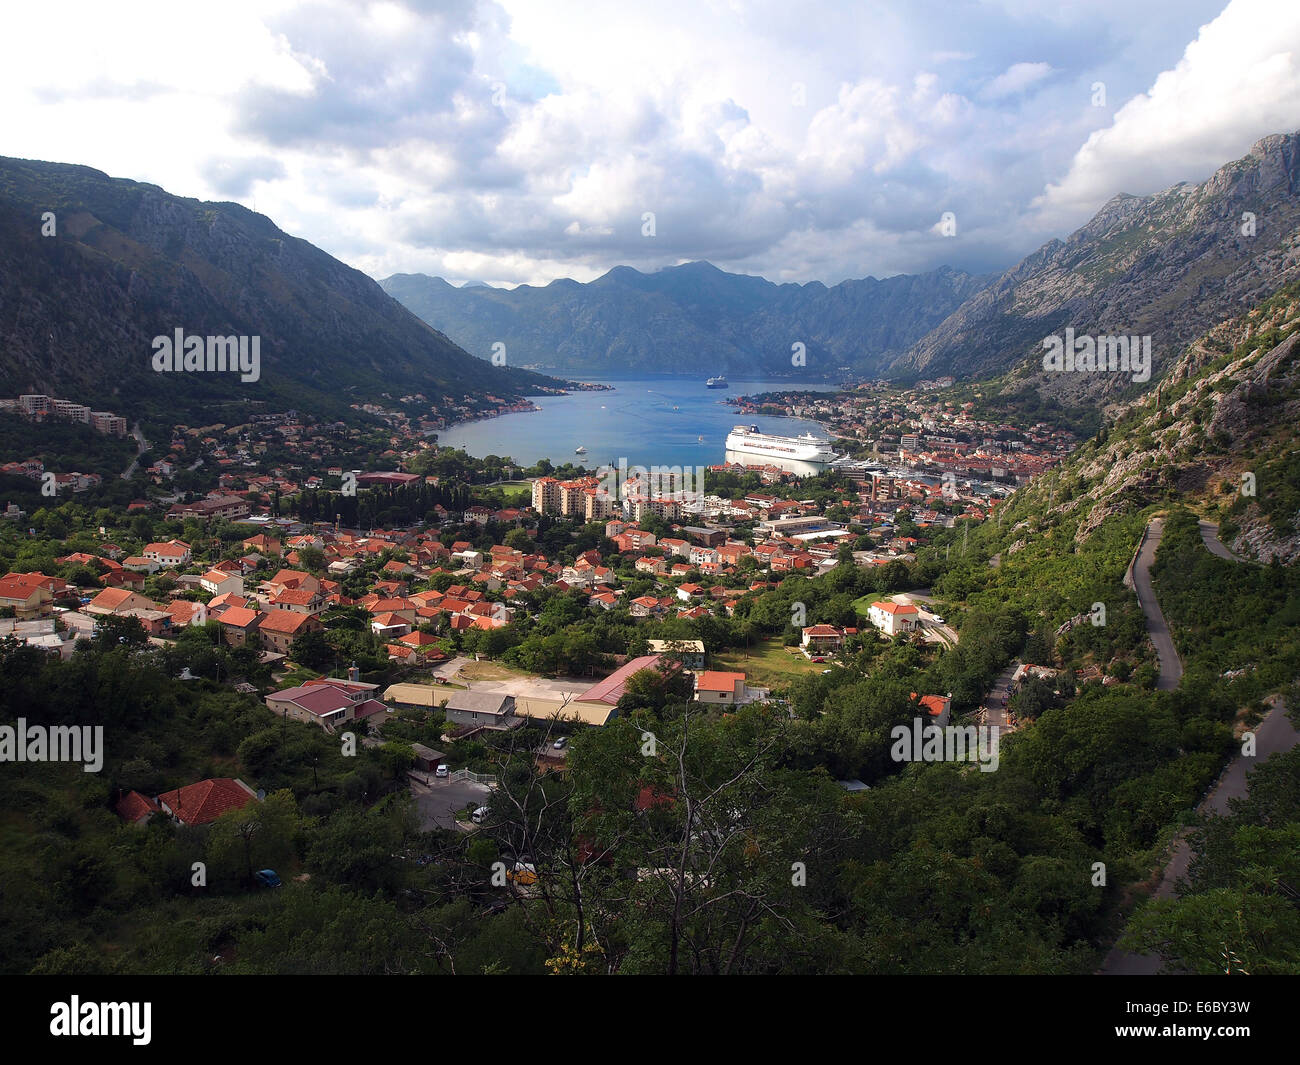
312, 559
258, 835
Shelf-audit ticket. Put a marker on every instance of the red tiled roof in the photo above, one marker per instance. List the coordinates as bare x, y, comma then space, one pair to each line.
135, 807
204, 802
895, 608
239, 616
714, 680
284, 621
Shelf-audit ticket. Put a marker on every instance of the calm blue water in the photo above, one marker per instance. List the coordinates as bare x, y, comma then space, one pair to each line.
651, 420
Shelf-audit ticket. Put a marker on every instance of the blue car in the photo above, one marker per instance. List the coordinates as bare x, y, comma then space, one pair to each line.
267, 878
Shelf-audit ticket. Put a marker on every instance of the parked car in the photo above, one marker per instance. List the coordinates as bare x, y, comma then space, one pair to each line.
267, 878
479, 815
938, 620
561, 743
442, 770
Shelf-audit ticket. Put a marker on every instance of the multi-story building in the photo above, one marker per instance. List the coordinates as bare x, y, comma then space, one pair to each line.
546, 495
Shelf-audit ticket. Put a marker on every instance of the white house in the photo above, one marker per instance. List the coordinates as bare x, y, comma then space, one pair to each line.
171, 553
893, 618
218, 582
718, 686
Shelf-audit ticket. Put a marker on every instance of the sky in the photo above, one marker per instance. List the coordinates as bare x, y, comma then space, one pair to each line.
520, 141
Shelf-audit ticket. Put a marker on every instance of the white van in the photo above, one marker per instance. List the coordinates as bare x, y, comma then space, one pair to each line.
479, 815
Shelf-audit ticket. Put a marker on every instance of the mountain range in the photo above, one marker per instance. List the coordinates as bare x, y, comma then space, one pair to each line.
1168, 265
692, 318
92, 268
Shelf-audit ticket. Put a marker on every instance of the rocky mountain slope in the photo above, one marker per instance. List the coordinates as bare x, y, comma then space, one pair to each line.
127, 262
1218, 432
1170, 265
691, 318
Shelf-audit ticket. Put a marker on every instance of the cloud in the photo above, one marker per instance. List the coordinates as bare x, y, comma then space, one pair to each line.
518, 141
1016, 79
236, 177
1238, 81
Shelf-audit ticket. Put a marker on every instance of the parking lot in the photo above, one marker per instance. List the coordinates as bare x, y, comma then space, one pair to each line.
442, 799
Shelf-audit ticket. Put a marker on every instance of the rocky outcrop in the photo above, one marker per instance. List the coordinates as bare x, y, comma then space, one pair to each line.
1169, 265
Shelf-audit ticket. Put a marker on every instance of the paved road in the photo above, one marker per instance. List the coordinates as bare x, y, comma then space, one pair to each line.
1171, 668
1210, 537
1274, 735
142, 445
993, 711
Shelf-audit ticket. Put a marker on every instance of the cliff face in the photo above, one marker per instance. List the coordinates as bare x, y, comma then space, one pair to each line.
1170, 265
1217, 432
128, 262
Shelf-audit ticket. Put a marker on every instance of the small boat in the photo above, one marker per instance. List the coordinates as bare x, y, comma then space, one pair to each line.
701, 440
579, 450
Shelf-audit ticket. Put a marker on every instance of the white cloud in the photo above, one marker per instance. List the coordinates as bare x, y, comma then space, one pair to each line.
373, 129
1237, 82
1015, 79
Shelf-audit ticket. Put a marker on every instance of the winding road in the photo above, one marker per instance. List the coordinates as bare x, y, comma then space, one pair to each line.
1171, 667
1273, 735
1210, 538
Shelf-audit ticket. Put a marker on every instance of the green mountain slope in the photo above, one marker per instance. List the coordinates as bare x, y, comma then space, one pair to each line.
128, 262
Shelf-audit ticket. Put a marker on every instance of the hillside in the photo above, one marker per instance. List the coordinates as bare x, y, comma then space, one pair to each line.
1170, 265
691, 318
128, 262
1227, 409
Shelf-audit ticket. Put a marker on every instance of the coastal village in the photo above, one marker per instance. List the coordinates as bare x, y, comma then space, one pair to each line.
241, 558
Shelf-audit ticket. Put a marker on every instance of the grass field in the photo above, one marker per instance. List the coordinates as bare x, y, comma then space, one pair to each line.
517, 491
769, 665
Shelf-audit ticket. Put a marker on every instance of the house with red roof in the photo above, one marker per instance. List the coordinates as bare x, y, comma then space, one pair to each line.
328, 702
893, 618
221, 582
720, 687
136, 808
938, 708
821, 639
168, 553
239, 625
28, 599
118, 601
204, 802
279, 629
299, 600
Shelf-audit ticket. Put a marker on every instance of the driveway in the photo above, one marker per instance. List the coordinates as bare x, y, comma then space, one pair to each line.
929, 629
440, 800
993, 710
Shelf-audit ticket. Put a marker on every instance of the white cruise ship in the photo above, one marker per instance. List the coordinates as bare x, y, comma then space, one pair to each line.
747, 440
